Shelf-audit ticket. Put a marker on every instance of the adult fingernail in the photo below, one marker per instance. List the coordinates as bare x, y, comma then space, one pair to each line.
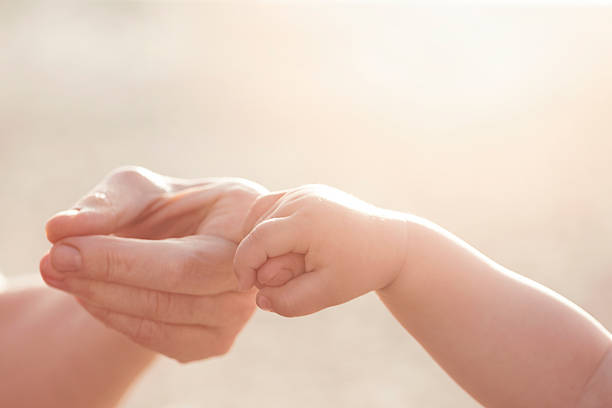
66, 258
264, 303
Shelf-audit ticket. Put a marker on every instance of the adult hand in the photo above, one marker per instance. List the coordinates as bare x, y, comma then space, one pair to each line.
151, 256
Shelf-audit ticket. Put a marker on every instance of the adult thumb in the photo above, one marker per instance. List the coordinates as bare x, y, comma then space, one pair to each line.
117, 200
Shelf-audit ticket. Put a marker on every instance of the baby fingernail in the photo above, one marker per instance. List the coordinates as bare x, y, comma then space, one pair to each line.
66, 258
264, 303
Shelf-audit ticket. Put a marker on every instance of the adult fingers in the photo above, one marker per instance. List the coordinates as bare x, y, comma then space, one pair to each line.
198, 265
214, 311
116, 201
269, 239
304, 295
182, 342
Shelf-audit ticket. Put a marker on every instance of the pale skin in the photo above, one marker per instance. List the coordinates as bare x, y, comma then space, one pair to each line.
156, 257
505, 339
47, 354
151, 257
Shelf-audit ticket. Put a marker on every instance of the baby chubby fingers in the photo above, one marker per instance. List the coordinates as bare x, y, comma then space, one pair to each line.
280, 270
269, 239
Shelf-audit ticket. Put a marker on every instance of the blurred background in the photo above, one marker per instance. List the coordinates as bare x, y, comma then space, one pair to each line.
494, 121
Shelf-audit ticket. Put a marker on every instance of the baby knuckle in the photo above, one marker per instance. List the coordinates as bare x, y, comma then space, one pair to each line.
257, 209
263, 231
257, 235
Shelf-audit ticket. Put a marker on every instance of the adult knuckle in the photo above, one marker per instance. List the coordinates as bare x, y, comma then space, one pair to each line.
189, 271
187, 308
99, 199
127, 173
109, 265
139, 178
159, 304
145, 331
192, 314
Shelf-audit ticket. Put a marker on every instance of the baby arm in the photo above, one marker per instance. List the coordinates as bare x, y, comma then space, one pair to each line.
505, 339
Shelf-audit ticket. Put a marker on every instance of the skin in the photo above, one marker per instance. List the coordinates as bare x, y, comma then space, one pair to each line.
151, 257
505, 339
47, 354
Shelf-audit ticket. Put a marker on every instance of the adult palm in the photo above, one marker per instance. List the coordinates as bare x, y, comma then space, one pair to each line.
151, 256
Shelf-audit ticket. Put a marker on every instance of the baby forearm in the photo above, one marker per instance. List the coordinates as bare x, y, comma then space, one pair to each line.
505, 339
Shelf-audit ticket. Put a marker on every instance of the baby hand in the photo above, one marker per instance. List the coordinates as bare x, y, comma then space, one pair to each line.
342, 246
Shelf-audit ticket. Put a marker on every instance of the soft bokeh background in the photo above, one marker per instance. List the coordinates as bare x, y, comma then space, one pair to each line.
495, 122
